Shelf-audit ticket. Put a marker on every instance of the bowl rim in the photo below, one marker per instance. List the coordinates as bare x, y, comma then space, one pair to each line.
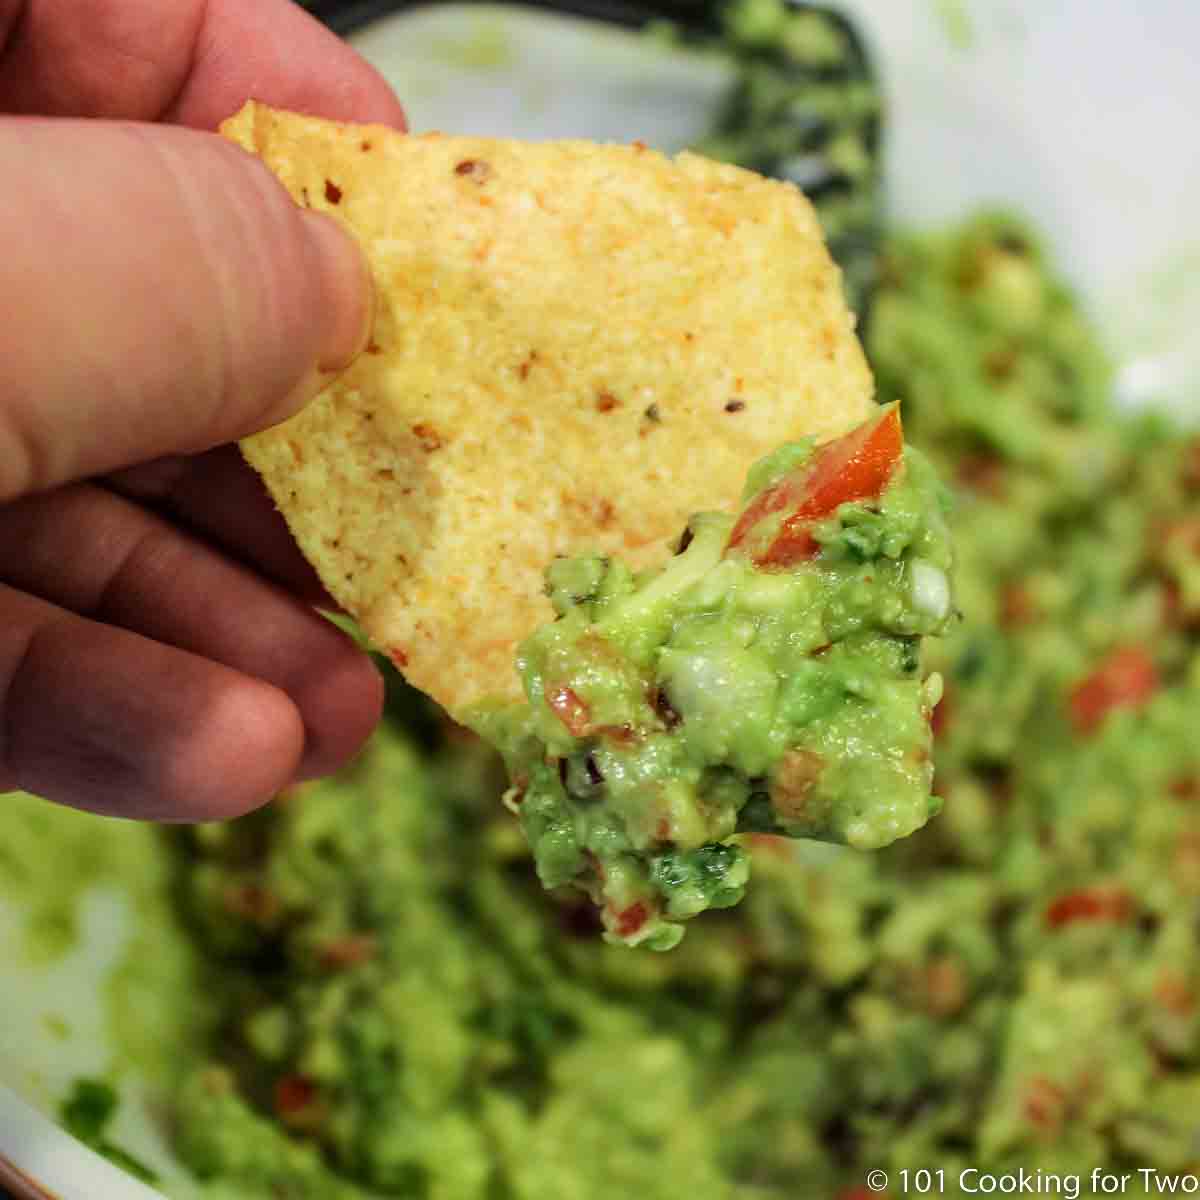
41, 1161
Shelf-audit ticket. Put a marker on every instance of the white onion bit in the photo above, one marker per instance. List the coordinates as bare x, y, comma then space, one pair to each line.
930, 589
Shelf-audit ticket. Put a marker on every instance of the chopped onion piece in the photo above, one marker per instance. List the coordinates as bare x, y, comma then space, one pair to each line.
930, 589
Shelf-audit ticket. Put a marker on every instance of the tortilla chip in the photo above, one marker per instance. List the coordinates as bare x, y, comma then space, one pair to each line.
576, 347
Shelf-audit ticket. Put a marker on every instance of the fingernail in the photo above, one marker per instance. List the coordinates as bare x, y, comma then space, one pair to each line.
344, 279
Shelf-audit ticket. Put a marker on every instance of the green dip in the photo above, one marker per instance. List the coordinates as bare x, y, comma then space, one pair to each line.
395, 1005
390, 1004
768, 678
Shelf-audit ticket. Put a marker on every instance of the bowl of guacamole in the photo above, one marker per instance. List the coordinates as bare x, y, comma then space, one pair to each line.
364, 991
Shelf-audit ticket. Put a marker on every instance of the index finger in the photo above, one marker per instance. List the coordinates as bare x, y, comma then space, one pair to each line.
191, 62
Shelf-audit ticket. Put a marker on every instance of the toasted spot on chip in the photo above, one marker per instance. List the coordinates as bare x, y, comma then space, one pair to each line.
476, 168
432, 482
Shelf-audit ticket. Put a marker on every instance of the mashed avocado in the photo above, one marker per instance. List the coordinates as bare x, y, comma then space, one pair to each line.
389, 1004
396, 1009
768, 678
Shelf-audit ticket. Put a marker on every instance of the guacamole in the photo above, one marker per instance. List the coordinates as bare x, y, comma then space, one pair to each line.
767, 678
397, 1009
364, 990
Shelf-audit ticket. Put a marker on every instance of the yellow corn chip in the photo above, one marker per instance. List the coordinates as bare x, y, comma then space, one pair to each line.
576, 347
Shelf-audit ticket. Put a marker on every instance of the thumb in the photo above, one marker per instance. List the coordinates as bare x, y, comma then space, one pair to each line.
161, 294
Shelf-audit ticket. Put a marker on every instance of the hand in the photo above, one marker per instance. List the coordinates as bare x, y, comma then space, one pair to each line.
160, 297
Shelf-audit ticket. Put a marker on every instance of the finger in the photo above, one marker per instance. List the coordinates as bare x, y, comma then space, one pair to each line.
106, 720
189, 61
101, 556
219, 497
165, 296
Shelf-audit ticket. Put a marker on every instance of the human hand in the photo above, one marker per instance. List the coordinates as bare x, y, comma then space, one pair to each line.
161, 297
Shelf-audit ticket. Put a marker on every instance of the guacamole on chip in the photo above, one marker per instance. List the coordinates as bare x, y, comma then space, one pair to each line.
767, 678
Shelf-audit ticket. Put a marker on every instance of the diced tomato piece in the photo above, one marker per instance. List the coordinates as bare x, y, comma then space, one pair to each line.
251, 901
1180, 534
772, 844
293, 1094
1185, 787
1191, 465
1172, 603
1185, 863
771, 500
945, 986
569, 709
983, 473
618, 735
350, 950
629, 920
1173, 993
1126, 679
1016, 606
1089, 904
798, 772
857, 466
1045, 1103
